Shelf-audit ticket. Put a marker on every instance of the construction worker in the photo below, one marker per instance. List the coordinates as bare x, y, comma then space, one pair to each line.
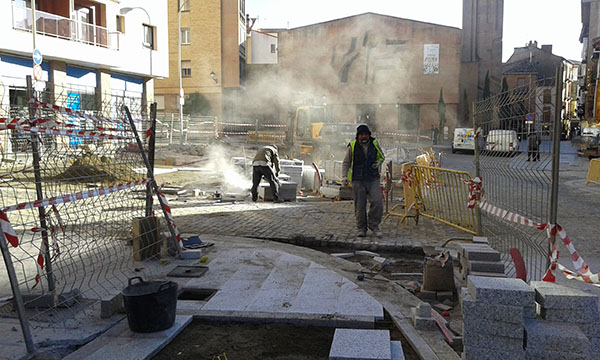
266, 163
361, 164
533, 146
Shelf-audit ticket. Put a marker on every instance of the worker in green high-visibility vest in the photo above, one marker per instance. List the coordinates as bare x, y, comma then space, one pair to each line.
362, 164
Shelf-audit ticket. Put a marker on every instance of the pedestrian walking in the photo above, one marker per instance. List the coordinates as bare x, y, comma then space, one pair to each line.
266, 164
434, 134
533, 146
362, 164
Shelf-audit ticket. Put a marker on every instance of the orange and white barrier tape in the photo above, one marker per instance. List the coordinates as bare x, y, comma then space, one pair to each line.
88, 134
475, 191
408, 177
72, 112
583, 272
169, 216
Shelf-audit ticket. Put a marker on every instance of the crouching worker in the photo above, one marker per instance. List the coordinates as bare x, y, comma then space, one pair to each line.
266, 163
362, 164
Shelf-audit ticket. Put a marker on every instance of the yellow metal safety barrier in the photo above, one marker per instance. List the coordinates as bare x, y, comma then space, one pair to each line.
593, 175
409, 198
443, 196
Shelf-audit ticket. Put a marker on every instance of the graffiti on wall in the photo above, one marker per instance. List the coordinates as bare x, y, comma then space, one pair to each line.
373, 57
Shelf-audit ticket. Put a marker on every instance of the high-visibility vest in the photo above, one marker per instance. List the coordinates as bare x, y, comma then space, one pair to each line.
379, 157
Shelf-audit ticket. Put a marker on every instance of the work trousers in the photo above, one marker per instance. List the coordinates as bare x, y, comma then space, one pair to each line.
257, 173
367, 190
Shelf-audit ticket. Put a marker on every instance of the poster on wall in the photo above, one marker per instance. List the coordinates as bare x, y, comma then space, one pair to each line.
431, 59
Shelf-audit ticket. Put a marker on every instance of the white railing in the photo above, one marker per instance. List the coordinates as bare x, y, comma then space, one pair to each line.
64, 28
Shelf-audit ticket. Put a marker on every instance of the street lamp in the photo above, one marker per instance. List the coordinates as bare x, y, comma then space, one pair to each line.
181, 94
124, 11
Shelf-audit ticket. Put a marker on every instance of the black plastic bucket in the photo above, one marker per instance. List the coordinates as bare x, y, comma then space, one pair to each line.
150, 305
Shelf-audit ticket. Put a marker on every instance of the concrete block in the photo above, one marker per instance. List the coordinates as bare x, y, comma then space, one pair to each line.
111, 305
427, 295
190, 254
551, 295
480, 240
514, 292
380, 260
529, 312
486, 266
591, 330
422, 323
473, 326
487, 274
494, 312
444, 295
538, 354
493, 342
583, 315
343, 255
360, 344
397, 352
476, 353
423, 310
482, 252
366, 253
545, 335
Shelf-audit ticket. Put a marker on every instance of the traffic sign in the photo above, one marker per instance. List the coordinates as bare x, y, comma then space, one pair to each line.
37, 73
37, 57
530, 117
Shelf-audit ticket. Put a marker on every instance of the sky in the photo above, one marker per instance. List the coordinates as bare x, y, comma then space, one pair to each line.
555, 22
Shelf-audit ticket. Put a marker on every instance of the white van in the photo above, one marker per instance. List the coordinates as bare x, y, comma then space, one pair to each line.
464, 139
502, 141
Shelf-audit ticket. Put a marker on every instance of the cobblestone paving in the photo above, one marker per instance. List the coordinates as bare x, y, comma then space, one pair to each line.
321, 223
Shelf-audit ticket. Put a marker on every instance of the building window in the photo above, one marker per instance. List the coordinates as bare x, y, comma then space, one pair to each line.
183, 5
273, 49
547, 96
121, 24
149, 36
547, 114
185, 36
186, 68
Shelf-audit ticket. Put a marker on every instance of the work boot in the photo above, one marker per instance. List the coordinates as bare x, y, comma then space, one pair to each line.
278, 200
362, 233
377, 232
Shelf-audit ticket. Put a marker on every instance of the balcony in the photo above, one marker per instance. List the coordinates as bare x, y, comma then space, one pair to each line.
64, 28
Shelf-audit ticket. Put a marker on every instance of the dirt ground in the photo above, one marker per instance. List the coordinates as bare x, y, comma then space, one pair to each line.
248, 341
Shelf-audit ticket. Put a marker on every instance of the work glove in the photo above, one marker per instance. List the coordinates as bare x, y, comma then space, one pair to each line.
345, 181
376, 164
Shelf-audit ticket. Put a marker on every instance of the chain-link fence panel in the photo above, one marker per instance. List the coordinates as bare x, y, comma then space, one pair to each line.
73, 193
514, 157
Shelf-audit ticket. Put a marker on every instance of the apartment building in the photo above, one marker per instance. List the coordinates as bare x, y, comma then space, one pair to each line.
213, 53
90, 48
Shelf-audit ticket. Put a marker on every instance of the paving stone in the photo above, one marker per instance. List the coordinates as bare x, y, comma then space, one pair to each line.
343, 255
535, 354
495, 312
421, 322
444, 295
582, 315
486, 274
529, 312
486, 266
366, 253
319, 292
553, 336
427, 295
480, 240
397, 351
481, 252
360, 344
476, 353
554, 296
493, 342
353, 300
502, 291
473, 326
423, 310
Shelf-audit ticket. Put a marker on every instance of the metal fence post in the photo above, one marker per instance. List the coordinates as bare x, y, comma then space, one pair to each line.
479, 229
151, 149
555, 155
17, 298
171, 132
152, 180
38, 188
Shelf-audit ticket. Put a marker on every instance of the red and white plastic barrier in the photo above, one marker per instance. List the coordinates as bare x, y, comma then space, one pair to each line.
9, 232
72, 112
88, 134
582, 272
169, 216
75, 196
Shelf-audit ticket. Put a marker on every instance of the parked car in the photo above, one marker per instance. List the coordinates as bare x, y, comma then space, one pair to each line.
504, 141
464, 139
